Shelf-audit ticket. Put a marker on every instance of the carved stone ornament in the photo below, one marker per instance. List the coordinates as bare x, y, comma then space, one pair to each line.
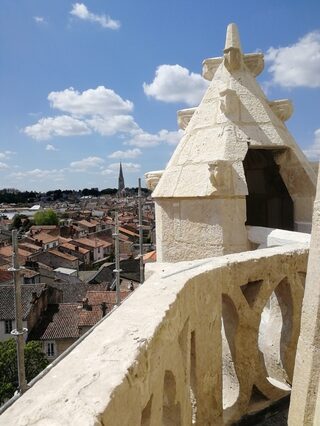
282, 108
184, 116
152, 179
221, 176
228, 102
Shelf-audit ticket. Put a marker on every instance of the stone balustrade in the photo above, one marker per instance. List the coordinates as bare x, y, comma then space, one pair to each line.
201, 342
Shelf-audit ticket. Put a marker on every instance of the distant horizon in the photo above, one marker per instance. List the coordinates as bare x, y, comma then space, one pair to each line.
73, 190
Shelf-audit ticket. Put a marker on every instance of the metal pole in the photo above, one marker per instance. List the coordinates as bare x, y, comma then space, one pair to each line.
140, 235
117, 258
19, 331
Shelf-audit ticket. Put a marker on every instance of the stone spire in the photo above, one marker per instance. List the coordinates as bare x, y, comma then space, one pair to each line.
121, 185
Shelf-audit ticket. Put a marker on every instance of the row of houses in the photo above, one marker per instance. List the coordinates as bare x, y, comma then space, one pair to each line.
56, 315
68, 278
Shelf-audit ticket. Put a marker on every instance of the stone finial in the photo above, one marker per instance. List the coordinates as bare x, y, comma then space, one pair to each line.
232, 49
232, 38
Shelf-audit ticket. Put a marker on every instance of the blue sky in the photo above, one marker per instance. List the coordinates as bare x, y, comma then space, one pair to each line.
87, 84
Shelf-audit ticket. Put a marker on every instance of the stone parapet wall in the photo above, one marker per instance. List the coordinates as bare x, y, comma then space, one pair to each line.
201, 342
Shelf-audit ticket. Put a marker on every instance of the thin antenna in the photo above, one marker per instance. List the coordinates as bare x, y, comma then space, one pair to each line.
140, 234
19, 331
117, 256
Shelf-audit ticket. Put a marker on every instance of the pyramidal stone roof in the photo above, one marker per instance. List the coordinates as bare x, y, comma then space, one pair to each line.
233, 115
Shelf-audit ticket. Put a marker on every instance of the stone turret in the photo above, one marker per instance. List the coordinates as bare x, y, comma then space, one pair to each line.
202, 196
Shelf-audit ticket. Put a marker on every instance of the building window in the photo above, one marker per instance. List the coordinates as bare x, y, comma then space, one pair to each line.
50, 349
7, 326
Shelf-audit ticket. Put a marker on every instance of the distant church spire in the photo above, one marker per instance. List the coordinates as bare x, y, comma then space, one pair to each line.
121, 185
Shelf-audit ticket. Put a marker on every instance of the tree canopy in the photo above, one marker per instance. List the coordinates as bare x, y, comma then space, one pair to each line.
35, 362
46, 217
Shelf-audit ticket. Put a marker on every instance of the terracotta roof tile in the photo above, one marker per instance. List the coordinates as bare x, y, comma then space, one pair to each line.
45, 238
89, 317
59, 322
5, 276
63, 255
86, 223
126, 231
7, 310
72, 247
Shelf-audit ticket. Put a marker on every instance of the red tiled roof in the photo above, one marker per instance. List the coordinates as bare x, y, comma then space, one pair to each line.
45, 238
72, 247
88, 318
151, 256
43, 227
86, 223
63, 240
126, 231
30, 246
5, 276
92, 243
29, 273
61, 322
64, 255
6, 251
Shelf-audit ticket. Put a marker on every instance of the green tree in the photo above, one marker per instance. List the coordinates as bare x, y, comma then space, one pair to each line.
35, 362
26, 224
46, 217
16, 222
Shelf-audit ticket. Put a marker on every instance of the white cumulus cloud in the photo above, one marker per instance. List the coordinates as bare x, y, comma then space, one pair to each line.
39, 19
62, 125
51, 148
111, 125
143, 139
99, 101
40, 174
3, 166
127, 167
80, 10
87, 163
174, 83
100, 111
129, 153
297, 65
313, 151
107, 172
6, 154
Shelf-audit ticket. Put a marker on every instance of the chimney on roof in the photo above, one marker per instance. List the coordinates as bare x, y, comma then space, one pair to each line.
77, 248
85, 304
104, 309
